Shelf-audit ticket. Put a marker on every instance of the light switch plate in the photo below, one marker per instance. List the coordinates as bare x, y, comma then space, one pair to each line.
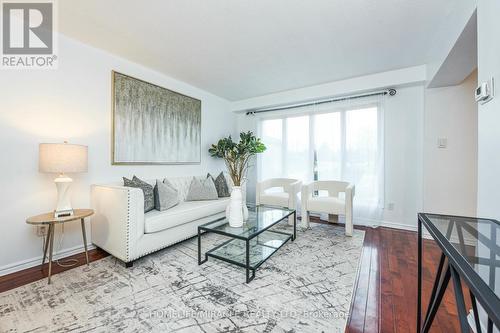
442, 143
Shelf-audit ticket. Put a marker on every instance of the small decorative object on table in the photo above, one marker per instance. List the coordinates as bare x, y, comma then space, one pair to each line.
237, 157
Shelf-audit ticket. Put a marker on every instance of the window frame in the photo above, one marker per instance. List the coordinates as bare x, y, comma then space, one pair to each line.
311, 112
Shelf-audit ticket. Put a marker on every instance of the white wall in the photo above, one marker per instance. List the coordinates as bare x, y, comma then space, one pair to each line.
403, 129
488, 196
74, 103
488, 199
450, 174
403, 157
396, 78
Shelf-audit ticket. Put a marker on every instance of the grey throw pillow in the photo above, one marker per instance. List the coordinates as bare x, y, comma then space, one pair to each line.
128, 182
202, 189
147, 189
221, 185
166, 196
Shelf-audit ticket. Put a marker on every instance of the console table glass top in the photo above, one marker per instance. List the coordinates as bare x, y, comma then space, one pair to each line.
470, 253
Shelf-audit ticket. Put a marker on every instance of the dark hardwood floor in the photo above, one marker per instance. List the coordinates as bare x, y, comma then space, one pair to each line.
17, 279
384, 299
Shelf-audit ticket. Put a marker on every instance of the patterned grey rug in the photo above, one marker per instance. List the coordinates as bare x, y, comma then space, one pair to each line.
305, 287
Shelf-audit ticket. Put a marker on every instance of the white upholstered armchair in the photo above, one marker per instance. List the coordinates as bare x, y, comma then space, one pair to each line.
285, 198
331, 204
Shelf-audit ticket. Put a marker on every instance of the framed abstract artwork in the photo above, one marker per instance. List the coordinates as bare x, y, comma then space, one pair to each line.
153, 125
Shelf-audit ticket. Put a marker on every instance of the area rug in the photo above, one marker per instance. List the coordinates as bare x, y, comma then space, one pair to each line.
305, 287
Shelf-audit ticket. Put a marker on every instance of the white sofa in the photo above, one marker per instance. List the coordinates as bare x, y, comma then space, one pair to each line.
121, 228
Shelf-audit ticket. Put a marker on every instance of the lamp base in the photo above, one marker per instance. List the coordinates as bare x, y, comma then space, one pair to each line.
63, 207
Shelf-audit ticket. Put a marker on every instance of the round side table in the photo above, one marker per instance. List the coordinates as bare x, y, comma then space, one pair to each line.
49, 220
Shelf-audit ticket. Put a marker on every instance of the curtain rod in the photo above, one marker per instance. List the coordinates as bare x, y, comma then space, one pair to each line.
391, 92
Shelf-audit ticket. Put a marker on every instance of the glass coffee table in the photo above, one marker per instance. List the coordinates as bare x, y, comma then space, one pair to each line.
253, 243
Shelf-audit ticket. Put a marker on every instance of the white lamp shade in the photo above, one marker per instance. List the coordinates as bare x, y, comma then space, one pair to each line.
62, 158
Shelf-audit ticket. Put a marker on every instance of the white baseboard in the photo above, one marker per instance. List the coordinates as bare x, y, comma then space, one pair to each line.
393, 225
398, 226
28, 263
381, 223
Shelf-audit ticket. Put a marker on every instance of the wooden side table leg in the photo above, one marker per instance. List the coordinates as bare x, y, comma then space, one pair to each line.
85, 240
51, 244
46, 246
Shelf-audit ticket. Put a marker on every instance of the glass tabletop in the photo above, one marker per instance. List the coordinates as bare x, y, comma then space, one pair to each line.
477, 241
260, 218
260, 248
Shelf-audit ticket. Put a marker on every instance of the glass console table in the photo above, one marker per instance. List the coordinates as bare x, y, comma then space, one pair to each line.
470, 253
253, 243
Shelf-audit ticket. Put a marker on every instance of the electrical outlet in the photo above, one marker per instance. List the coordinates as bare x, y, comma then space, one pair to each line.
390, 206
41, 231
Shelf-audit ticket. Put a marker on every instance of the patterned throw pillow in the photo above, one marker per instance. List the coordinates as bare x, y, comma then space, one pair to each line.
202, 189
166, 196
147, 189
221, 185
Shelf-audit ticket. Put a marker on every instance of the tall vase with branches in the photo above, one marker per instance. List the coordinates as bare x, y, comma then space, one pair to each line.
237, 157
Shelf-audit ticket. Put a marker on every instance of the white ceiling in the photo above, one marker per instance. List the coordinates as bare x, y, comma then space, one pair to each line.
238, 49
462, 59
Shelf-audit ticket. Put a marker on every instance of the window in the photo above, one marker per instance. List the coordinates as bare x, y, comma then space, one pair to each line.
297, 148
339, 144
272, 135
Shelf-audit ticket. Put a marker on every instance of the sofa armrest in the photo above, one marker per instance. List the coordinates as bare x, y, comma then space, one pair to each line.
118, 222
306, 193
349, 197
264, 185
350, 191
293, 189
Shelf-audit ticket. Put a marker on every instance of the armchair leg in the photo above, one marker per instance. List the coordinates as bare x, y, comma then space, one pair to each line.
292, 218
304, 222
348, 225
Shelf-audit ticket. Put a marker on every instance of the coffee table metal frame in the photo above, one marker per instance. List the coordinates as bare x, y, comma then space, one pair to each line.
202, 229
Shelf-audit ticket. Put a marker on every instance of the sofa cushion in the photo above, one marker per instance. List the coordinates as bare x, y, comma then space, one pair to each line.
331, 205
184, 212
274, 199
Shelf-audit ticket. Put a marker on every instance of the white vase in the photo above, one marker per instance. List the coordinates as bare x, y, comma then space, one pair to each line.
245, 212
235, 211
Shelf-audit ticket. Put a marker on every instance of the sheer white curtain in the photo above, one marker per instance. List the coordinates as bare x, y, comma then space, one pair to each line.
336, 141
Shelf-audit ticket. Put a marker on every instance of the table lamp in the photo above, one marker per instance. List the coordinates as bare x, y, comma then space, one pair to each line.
62, 158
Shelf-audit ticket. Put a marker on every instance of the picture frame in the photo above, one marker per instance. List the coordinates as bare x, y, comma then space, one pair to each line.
152, 124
